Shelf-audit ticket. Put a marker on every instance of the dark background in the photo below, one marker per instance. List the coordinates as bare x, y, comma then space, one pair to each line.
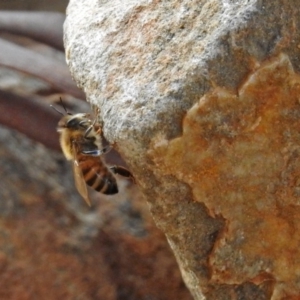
52, 246
53, 5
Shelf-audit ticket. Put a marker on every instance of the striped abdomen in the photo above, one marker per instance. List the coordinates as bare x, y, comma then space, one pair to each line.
97, 175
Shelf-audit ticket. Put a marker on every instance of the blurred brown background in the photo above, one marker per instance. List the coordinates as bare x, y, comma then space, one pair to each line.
54, 5
52, 246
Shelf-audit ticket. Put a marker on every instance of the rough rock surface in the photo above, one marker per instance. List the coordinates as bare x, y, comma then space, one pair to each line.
202, 100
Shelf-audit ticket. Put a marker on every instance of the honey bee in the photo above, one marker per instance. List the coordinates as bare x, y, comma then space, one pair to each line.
80, 140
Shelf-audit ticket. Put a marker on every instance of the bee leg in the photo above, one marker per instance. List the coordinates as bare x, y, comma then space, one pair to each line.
88, 131
93, 125
106, 149
122, 171
98, 129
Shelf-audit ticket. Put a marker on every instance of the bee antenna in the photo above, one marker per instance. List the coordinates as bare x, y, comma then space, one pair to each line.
56, 109
63, 105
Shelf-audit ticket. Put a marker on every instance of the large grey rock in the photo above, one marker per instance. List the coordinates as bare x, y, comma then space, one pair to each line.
201, 98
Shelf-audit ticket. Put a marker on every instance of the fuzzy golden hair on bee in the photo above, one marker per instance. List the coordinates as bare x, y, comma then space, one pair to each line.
80, 140
73, 130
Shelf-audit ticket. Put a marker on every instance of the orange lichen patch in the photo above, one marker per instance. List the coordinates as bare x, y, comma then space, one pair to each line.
241, 156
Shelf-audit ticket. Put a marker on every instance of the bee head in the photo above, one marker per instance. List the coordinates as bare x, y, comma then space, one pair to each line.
72, 122
79, 121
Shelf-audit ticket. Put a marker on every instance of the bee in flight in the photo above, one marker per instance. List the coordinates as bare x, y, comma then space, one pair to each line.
80, 140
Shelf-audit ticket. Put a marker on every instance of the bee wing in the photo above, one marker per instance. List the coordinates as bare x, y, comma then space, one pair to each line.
97, 152
79, 180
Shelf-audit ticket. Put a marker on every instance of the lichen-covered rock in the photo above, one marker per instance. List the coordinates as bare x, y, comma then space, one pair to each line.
202, 100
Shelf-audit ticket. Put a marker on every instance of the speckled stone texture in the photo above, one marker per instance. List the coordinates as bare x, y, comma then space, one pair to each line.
201, 98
